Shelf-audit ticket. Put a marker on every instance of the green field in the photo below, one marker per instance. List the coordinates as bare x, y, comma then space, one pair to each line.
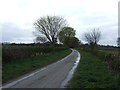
22, 66
93, 73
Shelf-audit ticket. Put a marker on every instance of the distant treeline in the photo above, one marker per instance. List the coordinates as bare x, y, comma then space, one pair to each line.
104, 47
48, 44
31, 44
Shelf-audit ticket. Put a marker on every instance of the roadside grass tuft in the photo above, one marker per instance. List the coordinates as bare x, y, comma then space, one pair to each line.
93, 73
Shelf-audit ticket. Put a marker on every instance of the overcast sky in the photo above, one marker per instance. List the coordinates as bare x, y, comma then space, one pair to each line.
17, 17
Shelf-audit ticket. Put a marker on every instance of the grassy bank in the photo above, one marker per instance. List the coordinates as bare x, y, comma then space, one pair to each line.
111, 57
19, 67
93, 73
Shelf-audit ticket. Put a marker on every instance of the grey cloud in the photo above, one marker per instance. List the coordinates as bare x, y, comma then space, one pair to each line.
11, 32
109, 34
96, 20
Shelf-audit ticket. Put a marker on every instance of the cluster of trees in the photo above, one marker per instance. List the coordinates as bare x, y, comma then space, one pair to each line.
54, 29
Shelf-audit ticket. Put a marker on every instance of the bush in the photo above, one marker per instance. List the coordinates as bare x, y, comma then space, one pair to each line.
13, 52
112, 58
114, 62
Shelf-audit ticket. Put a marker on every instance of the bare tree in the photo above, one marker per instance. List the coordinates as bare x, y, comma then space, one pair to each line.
49, 27
93, 37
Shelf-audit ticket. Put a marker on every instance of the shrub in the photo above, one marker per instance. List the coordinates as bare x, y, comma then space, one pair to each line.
112, 58
13, 52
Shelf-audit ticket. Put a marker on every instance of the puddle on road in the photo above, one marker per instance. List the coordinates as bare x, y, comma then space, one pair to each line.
70, 74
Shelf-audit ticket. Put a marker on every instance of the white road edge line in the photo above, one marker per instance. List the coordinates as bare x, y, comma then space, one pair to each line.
21, 79
70, 74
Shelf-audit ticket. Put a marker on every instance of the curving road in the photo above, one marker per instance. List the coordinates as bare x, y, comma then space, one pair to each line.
51, 76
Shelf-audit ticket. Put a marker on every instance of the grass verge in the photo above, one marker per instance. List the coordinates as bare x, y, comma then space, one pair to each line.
20, 67
93, 73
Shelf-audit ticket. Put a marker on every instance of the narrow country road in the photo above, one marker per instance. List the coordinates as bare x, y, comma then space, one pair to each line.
51, 76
